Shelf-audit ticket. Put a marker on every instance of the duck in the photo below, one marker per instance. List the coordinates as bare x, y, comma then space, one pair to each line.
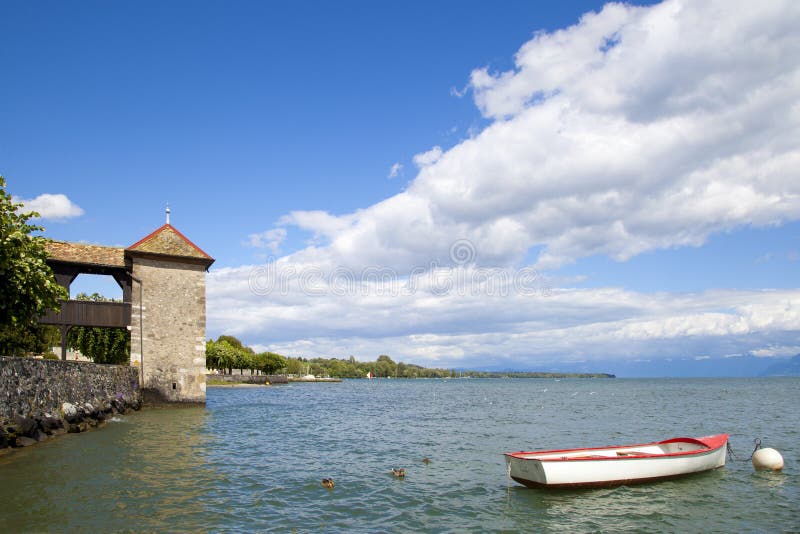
328, 483
399, 473
426, 461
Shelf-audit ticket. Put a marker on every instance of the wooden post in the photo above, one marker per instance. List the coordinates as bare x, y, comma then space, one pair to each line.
64, 331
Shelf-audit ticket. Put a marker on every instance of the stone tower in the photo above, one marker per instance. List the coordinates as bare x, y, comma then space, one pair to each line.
168, 315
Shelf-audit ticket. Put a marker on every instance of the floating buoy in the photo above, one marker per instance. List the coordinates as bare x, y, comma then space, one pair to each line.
767, 459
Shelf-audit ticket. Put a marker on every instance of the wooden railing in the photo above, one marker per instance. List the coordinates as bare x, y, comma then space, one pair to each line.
88, 313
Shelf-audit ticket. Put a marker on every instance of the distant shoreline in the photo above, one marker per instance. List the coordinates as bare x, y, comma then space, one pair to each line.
235, 385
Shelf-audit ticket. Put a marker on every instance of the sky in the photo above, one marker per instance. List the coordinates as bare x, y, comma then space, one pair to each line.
458, 184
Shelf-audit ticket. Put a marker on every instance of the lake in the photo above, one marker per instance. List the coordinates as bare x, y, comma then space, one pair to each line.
253, 459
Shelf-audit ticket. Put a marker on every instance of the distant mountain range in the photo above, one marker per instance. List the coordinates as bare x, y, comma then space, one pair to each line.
790, 367
738, 366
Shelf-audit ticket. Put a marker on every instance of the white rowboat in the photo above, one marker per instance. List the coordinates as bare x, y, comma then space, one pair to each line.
612, 466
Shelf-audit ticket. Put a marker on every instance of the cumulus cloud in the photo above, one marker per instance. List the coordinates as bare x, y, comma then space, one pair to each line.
468, 316
57, 207
636, 129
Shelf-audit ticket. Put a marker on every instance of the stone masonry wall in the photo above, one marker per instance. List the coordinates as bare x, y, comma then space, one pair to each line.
44, 397
174, 329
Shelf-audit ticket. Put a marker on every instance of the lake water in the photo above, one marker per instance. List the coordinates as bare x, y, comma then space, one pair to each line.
253, 459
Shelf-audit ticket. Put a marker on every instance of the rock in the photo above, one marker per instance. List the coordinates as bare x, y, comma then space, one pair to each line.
26, 426
69, 411
50, 424
25, 441
76, 428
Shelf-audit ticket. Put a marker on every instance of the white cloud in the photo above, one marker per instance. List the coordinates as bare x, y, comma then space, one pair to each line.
474, 317
394, 172
52, 206
430, 157
776, 351
639, 128
636, 129
269, 239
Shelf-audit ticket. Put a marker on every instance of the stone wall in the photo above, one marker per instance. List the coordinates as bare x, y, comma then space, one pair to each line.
172, 355
44, 397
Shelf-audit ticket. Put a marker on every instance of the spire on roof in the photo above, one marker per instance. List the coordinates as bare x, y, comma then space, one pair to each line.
167, 212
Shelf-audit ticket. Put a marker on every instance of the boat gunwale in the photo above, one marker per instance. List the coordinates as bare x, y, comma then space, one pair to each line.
717, 441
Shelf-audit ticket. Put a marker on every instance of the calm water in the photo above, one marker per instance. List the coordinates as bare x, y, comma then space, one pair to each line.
252, 460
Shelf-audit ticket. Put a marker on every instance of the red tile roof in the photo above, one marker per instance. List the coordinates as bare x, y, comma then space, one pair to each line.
167, 240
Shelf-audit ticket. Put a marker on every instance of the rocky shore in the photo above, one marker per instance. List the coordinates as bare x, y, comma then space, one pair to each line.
44, 398
21, 431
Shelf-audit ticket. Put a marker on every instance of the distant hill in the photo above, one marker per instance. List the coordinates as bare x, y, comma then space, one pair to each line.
790, 367
730, 367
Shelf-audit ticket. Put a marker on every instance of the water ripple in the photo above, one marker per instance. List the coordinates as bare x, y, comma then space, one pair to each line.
253, 460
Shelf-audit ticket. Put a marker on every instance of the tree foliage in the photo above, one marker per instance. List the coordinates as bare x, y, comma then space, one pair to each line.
228, 353
27, 286
101, 345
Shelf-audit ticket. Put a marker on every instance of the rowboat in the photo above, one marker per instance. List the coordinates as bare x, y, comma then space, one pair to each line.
613, 466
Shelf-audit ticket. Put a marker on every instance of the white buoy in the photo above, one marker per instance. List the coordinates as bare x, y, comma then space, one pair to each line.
767, 459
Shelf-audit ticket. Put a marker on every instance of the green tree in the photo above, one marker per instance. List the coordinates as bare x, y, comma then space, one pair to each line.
221, 355
27, 286
101, 345
385, 366
295, 367
232, 341
269, 363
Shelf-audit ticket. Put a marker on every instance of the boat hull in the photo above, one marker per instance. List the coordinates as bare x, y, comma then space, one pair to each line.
613, 466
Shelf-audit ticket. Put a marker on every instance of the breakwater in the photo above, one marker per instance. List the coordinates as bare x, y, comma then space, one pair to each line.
247, 379
42, 398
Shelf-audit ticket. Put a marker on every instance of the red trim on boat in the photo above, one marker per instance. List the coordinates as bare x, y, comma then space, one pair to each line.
709, 444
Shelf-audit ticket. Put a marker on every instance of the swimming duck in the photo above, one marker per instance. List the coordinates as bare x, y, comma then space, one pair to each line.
399, 473
426, 461
327, 482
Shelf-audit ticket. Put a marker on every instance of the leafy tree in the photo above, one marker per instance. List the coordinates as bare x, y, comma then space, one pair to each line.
232, 341
243, 360
269, 363
220, 355
385, 366
294, 366
27, 286
101, 345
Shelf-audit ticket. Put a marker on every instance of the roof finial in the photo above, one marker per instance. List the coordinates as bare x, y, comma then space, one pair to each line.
167, 212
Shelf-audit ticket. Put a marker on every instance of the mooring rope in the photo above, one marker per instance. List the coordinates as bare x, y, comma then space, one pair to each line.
732, 455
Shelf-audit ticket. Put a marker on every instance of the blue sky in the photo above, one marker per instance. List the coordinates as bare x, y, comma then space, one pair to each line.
635, 166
